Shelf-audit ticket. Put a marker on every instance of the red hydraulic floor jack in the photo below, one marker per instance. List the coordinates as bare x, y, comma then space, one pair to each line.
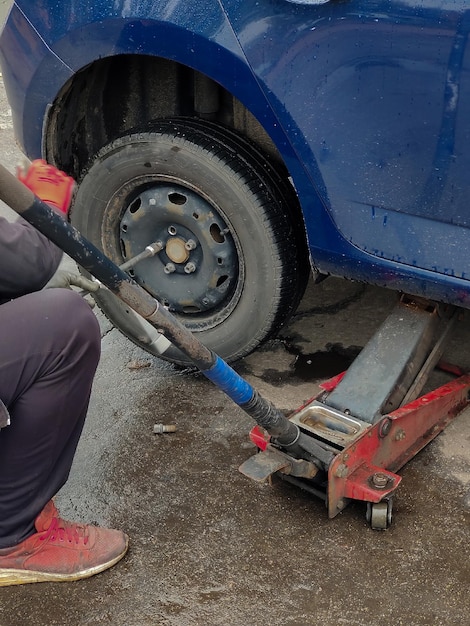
369, 421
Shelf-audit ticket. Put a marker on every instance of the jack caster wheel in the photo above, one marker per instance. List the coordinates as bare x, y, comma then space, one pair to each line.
379, 514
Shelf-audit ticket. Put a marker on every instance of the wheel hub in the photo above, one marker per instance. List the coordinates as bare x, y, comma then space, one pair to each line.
176, 250
197, 271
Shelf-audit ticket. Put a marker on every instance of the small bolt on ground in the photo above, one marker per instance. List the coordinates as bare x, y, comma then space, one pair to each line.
159, 429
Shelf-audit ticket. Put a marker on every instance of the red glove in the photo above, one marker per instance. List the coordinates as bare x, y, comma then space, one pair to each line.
49, 184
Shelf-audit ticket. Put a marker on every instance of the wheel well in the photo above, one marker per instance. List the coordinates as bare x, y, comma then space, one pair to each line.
114, 95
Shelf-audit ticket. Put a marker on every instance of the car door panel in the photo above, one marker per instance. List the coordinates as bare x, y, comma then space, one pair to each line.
373, 98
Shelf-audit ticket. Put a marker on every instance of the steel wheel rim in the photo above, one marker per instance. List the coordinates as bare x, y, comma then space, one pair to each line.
199, 273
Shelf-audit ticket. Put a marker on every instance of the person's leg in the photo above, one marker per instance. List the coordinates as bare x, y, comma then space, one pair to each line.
49, 350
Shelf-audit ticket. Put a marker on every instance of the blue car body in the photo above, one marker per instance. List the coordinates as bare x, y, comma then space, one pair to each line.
365, 102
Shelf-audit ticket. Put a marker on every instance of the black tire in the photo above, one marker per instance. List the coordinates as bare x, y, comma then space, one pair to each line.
234, 264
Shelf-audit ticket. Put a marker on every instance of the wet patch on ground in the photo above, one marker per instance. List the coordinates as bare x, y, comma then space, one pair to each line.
324, 363
301, 368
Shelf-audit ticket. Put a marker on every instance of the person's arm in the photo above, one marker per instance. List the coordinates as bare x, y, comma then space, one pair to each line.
27, 259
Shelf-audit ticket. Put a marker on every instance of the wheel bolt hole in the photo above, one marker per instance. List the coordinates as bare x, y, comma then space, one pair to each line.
171, 230
135, 206
177, 198
216, 234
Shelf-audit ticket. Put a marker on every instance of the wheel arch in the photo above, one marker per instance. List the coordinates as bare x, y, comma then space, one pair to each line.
114, 95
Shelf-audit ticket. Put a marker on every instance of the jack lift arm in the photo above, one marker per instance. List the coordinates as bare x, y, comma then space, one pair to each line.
345, 444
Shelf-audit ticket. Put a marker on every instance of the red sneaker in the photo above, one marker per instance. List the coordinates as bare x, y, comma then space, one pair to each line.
60, 551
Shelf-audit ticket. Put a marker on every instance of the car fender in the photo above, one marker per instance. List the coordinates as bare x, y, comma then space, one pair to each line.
207, 45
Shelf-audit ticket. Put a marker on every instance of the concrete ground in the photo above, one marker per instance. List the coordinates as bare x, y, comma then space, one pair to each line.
209, 547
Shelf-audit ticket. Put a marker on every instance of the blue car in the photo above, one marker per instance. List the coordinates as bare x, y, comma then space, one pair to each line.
254, 143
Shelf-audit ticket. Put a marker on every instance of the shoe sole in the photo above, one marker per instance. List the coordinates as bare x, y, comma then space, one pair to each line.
10, 577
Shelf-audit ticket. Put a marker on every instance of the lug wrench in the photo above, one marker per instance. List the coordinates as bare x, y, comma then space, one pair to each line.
151, 250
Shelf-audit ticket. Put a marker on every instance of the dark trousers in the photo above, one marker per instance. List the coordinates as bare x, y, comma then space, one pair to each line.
49, 351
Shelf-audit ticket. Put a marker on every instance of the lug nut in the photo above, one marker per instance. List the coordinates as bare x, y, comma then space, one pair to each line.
190, 244
169, 268
190, 267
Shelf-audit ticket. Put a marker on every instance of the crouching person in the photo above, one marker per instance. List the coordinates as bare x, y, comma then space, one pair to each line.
49, 351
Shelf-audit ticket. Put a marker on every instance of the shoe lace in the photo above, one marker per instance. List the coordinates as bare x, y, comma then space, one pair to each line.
63, 531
